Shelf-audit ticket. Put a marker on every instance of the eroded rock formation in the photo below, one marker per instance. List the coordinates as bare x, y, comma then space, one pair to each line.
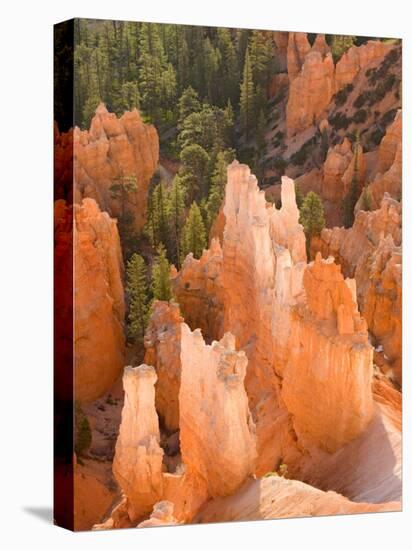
338, 171
370, 252
217, 449
99, 307
329, 341
267, 295
161, 516
137, 464
115, 148
356, 58
389, 171
314, 78
310, 92
217, 434
297, 49
163, 342
290, 381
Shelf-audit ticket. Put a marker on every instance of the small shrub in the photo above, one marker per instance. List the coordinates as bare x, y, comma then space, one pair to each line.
393, 56
370, 72
360, 116
279, 164
342, 95
389, 82
361, 100
299, 158
376, 136
339, 120
388, 117
283, 470
366, 203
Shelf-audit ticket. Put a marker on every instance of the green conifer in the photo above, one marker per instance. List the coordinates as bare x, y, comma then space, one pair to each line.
161, 286
137, 289
194, 233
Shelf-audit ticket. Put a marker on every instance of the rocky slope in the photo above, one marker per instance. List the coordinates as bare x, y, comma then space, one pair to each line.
317, 104
275, 497
370, 251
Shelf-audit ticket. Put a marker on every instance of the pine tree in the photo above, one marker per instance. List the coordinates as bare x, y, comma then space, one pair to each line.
229, 124
194, 171
247, 97
218, 185
212, 59
312, 216
188, 103
262, 57
299, 196
121, 191
194, 234
229, 67
176, 206
128, 99
157, 216
152, 66
168, 92
161, 287
136, 287
340, 44
260, 146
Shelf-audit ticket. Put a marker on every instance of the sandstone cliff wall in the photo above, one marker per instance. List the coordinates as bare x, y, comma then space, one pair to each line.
99, 306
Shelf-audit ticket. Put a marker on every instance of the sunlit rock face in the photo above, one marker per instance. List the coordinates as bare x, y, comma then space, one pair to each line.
310, 92
263, 261
162, 343
115, 148
216, 438
99, 307
270, 300
327, 379
161, 516
137, 464
297, 49
217, 434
